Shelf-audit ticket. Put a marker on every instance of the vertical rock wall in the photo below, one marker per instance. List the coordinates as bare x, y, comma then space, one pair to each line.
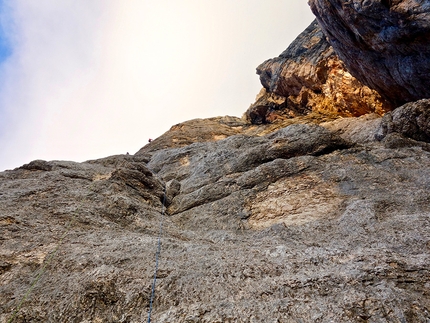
309, 77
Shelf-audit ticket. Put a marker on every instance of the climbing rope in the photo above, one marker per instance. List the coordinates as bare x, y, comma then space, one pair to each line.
157, 253
157, 257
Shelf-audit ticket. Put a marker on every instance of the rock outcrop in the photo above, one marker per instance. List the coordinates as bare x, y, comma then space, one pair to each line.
309, 77
307, 222
384, 44
301, 215
411, 120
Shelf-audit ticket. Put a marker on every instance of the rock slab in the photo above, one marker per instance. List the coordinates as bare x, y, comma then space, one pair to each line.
306, 223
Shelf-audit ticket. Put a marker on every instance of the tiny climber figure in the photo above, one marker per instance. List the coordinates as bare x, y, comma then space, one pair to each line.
149, 140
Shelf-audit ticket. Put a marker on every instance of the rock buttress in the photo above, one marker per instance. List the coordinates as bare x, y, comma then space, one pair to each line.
309, 77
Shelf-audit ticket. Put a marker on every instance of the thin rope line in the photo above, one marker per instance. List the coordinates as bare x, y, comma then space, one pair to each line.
157, 256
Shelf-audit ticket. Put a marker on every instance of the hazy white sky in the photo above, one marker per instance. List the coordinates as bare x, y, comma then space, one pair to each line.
90, 78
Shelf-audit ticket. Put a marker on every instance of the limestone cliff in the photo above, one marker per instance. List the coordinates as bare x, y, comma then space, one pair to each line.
311, 223
310, 217
309, 77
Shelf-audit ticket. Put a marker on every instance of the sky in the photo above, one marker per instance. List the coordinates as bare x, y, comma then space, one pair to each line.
85, 79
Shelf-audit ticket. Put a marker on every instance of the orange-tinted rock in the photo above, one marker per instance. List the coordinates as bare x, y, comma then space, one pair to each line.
309, 77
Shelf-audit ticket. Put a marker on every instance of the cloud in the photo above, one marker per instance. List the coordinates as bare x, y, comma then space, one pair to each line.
90, 78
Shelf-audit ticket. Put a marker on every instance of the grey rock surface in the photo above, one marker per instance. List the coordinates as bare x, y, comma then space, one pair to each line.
295, 213
307, 223
411, 120
384, 44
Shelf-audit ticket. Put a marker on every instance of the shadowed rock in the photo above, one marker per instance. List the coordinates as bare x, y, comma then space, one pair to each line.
384, 44
411, 120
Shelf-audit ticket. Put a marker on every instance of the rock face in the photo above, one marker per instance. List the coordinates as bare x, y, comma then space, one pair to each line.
303, 223
294, 215
384, 44
309, 77
411, 120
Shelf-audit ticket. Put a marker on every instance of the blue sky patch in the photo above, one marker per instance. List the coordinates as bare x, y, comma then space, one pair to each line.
5, 46
5, 49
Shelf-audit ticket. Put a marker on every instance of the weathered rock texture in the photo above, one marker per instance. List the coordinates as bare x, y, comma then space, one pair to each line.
214, 129
411, 120
299, 216
309, 77
306, 223
384, 44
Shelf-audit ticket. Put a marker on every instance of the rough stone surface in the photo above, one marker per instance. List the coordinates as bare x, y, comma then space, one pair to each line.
384, 44
214, 129
295, 213
411, 120
303, 223
309, 77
